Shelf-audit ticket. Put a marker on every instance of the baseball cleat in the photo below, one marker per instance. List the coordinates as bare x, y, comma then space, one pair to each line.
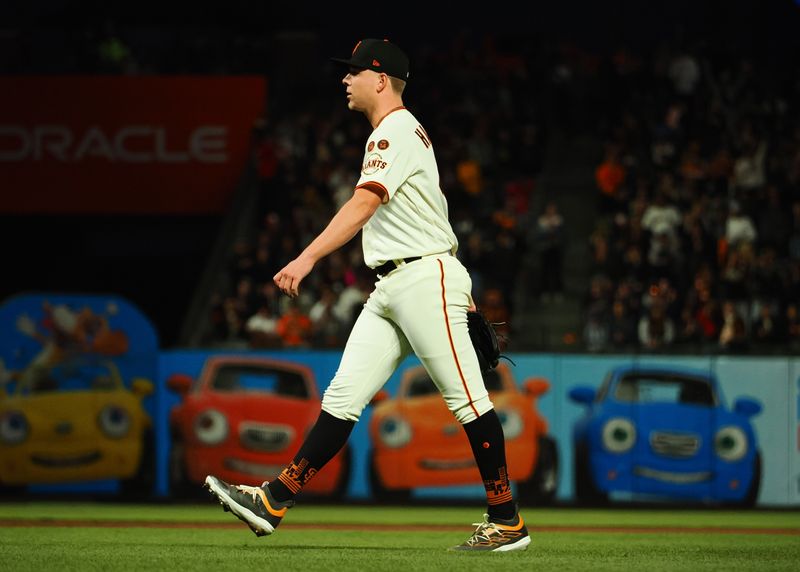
253, 505
497, 535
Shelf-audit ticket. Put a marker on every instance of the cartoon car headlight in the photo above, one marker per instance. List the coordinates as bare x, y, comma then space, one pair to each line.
730, 443
14, 427
619, 435
395, 432
511, 422
211, 427
114, 421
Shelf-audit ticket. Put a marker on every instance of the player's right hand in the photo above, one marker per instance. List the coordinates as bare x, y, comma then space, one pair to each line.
289, 278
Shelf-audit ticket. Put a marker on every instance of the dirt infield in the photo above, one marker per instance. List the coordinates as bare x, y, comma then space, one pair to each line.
75, 523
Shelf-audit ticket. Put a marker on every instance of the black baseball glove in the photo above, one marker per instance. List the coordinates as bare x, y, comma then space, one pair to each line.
484, 339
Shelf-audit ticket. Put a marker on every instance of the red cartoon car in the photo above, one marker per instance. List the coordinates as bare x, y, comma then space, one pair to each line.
418, 443
243, 420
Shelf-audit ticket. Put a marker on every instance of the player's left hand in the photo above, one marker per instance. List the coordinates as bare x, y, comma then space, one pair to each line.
289, 278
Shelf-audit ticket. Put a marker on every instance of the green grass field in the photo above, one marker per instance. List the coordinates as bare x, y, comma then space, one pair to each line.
85, 536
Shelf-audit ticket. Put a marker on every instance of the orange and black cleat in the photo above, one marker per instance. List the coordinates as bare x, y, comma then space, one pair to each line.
497, 535
253, 505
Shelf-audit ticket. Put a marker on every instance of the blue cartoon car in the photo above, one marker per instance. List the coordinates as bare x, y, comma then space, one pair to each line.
665, 432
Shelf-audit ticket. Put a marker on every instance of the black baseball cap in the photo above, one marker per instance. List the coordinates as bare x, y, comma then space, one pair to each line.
380, 56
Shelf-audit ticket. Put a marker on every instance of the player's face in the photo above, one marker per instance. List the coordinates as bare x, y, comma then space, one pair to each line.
358, 84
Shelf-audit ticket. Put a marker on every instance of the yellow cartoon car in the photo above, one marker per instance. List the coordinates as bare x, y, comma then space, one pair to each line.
71, 421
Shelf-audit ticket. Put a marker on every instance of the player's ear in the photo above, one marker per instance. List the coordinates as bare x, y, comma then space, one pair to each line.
383, 82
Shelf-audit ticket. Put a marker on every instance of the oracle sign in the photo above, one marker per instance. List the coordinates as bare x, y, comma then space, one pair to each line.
128, 144
124, 144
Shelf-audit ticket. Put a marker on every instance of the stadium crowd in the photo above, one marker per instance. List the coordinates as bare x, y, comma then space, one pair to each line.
698, 242
697, 238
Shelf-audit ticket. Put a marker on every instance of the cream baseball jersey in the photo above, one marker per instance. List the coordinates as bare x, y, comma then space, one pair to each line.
400, 167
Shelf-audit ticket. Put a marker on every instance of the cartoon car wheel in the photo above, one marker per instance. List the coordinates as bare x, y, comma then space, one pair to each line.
585, 490
541, 487
752, 493
179, 484
141, 484
379, 490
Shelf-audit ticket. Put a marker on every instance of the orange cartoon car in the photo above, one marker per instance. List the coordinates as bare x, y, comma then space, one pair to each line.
243, 420
418, 443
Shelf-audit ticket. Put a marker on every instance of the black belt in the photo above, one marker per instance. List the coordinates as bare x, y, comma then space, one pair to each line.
387, 267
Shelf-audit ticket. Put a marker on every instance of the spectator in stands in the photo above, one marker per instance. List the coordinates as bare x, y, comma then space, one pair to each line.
699, 246
692, 166
246, 299
600, 251
295, 327
596, 302
234, 321
734, 276
739, 227
766, 327
767, 278
262, 328
495, 309
596, 332
749, 172
667, 137
622, 328
353, 297
732, 335
684, 72
663, 258
242, 261
793, 326
550, 242
476, 260
328, 329
774, 223
661, 216
656, 329
794, 239
610, 178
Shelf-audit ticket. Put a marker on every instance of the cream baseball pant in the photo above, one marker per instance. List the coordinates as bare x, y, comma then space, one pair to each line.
419, 307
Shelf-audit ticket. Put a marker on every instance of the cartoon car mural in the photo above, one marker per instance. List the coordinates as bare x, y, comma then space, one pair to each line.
417, 441
243, 420
74, 420
665, 432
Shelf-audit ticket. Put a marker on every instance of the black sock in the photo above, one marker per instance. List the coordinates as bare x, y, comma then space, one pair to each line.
485, 435
327, 436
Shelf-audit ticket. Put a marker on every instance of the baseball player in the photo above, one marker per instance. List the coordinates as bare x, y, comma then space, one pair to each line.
419, 305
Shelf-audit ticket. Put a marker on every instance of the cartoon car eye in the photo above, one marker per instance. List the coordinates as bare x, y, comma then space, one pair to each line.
730, 443
619, 435
395, 432
13, 427
114, 421
511, 422
211, 427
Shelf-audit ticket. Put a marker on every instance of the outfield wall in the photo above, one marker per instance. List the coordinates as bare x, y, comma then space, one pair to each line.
773, 382
88, 403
